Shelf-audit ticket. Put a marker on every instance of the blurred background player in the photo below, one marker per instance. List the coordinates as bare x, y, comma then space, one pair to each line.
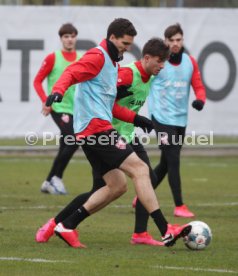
62, 114
168, 107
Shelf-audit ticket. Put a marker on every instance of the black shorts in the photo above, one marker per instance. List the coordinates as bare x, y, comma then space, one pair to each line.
64, 121
105, 151
167, 135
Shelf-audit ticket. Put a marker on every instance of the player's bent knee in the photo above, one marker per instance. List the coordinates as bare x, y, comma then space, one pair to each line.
141, 169
134, 166
120, 188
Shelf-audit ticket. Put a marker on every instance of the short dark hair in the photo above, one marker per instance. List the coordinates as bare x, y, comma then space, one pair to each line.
156, 47
120, 27
67, 28
173, 30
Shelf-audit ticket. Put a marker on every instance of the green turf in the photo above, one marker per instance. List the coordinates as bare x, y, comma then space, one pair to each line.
210, 189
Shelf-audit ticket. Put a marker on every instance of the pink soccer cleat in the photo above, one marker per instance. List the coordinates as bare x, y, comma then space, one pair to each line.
70, 236
145, 238
46, 231
175, 232
183, 211
134, 202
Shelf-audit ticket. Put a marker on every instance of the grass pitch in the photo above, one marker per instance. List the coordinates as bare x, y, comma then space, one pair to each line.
210, 190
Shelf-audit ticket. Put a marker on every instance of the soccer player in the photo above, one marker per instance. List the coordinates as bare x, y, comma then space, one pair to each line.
94, 106
168, 107
62, 114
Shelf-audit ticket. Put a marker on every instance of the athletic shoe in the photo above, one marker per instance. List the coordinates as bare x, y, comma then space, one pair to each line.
70, 236
58, 184
46, 231
145, 238
48, 188
183, 211
175, 232
134, 202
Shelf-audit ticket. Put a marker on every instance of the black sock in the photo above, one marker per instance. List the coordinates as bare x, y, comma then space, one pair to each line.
160, 221
72, 207
78, 216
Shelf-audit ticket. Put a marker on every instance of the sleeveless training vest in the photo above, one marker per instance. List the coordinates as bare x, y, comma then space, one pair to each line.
134, 102
95, 98
169, 93
66, 106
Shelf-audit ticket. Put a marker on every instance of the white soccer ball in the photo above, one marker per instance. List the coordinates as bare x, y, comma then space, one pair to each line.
199, 237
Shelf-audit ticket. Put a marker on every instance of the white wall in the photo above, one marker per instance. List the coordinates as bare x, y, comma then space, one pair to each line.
37, 27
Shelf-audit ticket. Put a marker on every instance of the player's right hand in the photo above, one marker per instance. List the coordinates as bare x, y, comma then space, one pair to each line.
144, 123
122, 92
52, 98
46, 110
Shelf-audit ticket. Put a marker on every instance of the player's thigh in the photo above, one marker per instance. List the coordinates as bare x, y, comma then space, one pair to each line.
134, 166
64, 122
140, 151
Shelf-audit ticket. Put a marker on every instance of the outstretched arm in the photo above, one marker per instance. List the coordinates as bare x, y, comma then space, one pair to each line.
198, 87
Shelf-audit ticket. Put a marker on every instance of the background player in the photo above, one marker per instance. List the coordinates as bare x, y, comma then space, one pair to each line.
62, 114
168, 107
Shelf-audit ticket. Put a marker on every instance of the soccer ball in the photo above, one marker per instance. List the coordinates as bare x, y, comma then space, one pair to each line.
199, 237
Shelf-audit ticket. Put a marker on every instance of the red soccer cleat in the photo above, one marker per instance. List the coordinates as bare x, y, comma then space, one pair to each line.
183, 211
175, 232
145, 238
46, 231
70, 236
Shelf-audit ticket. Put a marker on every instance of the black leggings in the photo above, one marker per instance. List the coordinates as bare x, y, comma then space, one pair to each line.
170, 158
65, 153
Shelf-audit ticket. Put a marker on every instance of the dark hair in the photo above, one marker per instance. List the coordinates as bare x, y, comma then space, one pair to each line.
173, 30
67, 28
120, 27
156, 47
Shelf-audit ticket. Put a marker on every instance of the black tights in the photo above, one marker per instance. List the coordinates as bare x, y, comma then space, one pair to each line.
170, 164
65, 152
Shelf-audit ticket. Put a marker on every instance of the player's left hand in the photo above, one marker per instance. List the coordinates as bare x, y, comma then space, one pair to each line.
198, 104
55, 97
144, 123
122, 92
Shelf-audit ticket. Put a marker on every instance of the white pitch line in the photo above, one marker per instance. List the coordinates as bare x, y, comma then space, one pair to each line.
198, 205
41, 207
32, 260
217, 165
30, 207
200, 179
218, 204
194, 269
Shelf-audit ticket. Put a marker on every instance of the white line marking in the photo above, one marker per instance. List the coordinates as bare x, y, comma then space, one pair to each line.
194, 269
217, 165
32, 260
200, 179
40, 207
215, 204
218, 204
30, 207
41, 160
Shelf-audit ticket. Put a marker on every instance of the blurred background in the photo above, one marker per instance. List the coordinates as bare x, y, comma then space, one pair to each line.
29, 33
131, 3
